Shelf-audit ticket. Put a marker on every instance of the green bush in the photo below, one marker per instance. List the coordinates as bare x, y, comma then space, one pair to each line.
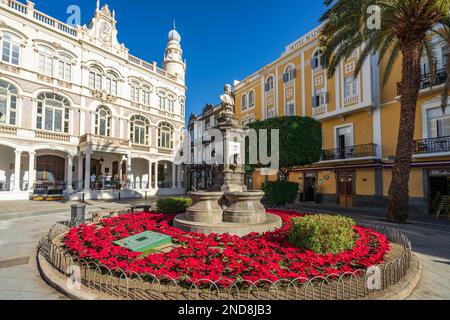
279, 193
323, 233
173, 205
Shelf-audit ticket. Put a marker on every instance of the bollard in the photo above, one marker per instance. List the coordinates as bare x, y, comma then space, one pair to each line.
78, 214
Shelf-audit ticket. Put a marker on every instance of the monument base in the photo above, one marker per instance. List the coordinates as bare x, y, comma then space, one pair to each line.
271, 223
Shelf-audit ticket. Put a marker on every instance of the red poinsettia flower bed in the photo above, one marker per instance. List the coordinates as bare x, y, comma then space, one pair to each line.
221, 258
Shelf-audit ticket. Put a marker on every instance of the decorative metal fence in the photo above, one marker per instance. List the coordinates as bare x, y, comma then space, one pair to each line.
117, 284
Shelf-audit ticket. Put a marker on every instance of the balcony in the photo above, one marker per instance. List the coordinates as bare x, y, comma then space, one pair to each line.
433, 145
353, 152
428, 80
104, 141
8, 130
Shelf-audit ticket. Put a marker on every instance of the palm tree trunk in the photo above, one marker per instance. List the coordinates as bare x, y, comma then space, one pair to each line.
398, 205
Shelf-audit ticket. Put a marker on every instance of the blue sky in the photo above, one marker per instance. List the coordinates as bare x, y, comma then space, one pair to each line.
222, 40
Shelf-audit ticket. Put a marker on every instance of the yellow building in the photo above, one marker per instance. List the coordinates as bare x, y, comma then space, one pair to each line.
360, 120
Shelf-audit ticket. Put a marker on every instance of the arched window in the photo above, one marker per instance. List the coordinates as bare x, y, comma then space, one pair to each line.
103, 121
316, 61
289, 74
135, 92
269, 84
146, 95
46, 60
182, 107
171, 104
52, 112
111, 84
139, 128
251, 99
95, 78
162, 102
65, 67
244, 102
10, 49
8, 103
165, 135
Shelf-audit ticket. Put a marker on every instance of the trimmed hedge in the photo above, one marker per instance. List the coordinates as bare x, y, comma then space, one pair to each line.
323, 234
173, 205
279, 193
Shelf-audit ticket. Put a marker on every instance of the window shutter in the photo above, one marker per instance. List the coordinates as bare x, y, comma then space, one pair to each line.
313, 64
294, 73
314, 101
327, 97
285, 77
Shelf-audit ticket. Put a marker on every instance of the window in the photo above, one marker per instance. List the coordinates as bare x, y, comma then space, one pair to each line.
171, 104
65, 67
162, 102
8, 103
438, 123
344, 137
350, 87
139, 129
290, 108
10, 49
95, 78
269, 84
165, 135
183, 108
320, 98
290, 74
445, 53
146, 95
271, 112
316, 61
52, 112
111, 84
135, 92
251, 99
244, 102
103, 121
46, 60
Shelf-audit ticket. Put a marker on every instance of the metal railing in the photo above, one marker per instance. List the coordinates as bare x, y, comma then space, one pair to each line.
119, 284
433, 145
360, 151
429, 80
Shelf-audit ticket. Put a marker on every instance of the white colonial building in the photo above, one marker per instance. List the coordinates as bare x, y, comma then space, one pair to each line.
80, 115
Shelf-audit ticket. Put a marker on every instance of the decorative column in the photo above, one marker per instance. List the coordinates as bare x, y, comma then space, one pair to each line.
180, 177
87, 173
17, 170
31, 170
174, 176
80, 172
129, 171
69, 172
156, 175
150, 173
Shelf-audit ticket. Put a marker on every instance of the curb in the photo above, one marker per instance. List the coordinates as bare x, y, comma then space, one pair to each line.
399, 291
406, 286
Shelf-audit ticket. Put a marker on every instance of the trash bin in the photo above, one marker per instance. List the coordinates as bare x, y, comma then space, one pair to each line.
78, 214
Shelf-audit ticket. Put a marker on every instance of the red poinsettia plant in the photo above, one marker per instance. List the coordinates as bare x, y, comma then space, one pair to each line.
220, 258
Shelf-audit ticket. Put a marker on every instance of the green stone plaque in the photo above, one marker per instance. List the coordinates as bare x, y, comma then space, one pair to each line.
144, 241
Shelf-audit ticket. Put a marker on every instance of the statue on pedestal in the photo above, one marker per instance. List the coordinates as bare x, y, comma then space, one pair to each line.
228, 105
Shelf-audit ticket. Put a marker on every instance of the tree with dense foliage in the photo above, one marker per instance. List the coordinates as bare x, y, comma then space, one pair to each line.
403, 29
300, 141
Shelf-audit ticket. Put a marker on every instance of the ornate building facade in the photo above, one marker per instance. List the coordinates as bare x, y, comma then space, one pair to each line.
360, 119
80, 115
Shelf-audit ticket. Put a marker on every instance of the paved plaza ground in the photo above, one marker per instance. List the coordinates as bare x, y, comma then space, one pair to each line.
23, 223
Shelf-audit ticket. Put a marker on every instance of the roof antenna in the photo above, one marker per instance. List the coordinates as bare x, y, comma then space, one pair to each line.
174, 25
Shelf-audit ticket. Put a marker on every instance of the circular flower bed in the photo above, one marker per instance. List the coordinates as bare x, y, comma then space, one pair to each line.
220, 258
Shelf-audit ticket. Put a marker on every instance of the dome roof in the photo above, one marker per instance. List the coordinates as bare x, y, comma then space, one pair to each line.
174, 36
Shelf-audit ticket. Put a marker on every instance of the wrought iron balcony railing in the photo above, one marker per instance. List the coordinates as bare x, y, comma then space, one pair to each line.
433, 145
360, 151
429, 80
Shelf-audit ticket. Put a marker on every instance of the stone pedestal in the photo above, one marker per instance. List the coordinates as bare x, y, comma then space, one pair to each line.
244, 207
205, 207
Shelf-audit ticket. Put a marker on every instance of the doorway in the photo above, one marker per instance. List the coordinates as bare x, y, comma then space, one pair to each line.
310, 186
50, 169
345, 189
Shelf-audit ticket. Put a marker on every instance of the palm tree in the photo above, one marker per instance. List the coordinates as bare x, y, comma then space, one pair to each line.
403, 31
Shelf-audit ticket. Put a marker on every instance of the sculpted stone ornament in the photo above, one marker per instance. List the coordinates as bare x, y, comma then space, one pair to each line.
228, 105
103, 96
